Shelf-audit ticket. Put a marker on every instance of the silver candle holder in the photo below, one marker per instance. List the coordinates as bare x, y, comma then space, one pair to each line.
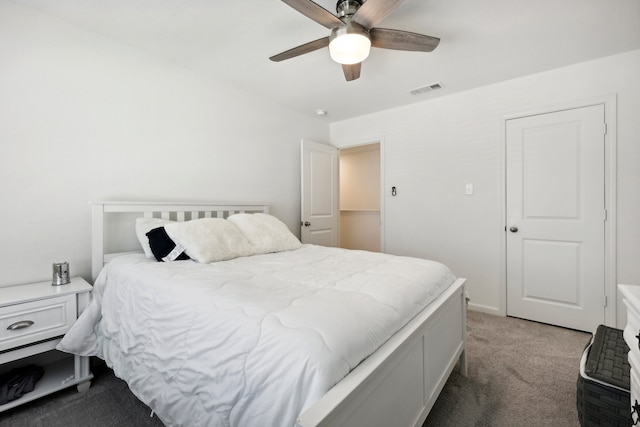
60, 274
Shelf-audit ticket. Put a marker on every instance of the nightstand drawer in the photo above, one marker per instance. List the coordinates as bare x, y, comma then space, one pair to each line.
28, 322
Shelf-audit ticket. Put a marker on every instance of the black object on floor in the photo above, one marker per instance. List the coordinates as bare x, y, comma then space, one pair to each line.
603, 383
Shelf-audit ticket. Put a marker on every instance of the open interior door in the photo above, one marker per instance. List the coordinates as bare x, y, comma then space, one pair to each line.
319, 216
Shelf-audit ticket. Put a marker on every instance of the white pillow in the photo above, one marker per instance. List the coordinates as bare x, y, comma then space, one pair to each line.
209, 239
265, 232
145, 225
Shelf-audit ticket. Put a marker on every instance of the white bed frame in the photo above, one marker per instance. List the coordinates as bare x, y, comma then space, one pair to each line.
395, 386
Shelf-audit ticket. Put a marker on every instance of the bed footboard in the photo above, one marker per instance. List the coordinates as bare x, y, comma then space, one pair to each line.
399, 383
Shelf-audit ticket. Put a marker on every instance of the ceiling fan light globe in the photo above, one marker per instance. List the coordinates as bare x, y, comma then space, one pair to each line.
349, 44
350, 48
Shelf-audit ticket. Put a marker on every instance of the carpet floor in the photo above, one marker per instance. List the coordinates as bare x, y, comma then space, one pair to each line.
521, 373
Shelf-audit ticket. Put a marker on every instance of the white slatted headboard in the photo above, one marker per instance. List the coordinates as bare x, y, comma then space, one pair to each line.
176, 211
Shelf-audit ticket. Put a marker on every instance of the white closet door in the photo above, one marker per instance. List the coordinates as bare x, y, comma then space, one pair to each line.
555, 217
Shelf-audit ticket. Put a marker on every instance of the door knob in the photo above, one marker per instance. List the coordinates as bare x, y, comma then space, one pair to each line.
513, 229
307, 223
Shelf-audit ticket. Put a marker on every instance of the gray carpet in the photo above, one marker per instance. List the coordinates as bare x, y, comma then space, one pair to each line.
108, 403
520, 374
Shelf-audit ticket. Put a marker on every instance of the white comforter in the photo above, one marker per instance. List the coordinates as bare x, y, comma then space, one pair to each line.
252, 341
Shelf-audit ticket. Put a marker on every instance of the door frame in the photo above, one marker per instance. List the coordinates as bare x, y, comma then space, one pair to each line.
610, 149
358, 143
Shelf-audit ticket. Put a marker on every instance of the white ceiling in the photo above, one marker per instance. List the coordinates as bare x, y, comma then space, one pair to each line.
482, 42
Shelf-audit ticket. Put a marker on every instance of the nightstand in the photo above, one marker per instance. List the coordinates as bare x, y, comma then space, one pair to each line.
33, 319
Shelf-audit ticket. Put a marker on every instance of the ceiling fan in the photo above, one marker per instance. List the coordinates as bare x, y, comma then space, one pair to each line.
352, 32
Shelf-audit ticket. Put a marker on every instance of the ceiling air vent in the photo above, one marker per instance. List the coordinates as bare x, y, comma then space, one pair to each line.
425, 89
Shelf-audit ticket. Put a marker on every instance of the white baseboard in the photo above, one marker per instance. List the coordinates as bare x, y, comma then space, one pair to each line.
484, 309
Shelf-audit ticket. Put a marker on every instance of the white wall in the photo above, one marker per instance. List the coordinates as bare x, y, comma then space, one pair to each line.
433, 148
83, 118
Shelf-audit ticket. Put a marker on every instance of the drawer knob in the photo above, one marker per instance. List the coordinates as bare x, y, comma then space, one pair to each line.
20, 325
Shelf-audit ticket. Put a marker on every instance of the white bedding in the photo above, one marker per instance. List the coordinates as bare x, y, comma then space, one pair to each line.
252, 341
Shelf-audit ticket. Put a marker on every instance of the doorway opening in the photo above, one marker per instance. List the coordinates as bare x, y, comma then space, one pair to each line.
360, 201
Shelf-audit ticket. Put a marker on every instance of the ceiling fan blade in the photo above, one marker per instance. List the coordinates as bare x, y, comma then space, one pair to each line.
402, 40
374, 11
301, 50
351, 71
315, 12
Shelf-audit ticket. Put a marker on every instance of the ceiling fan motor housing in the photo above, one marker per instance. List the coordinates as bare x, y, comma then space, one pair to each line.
347, 8
350, 27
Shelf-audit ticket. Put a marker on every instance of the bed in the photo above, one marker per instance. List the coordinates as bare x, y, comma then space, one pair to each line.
306, 336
